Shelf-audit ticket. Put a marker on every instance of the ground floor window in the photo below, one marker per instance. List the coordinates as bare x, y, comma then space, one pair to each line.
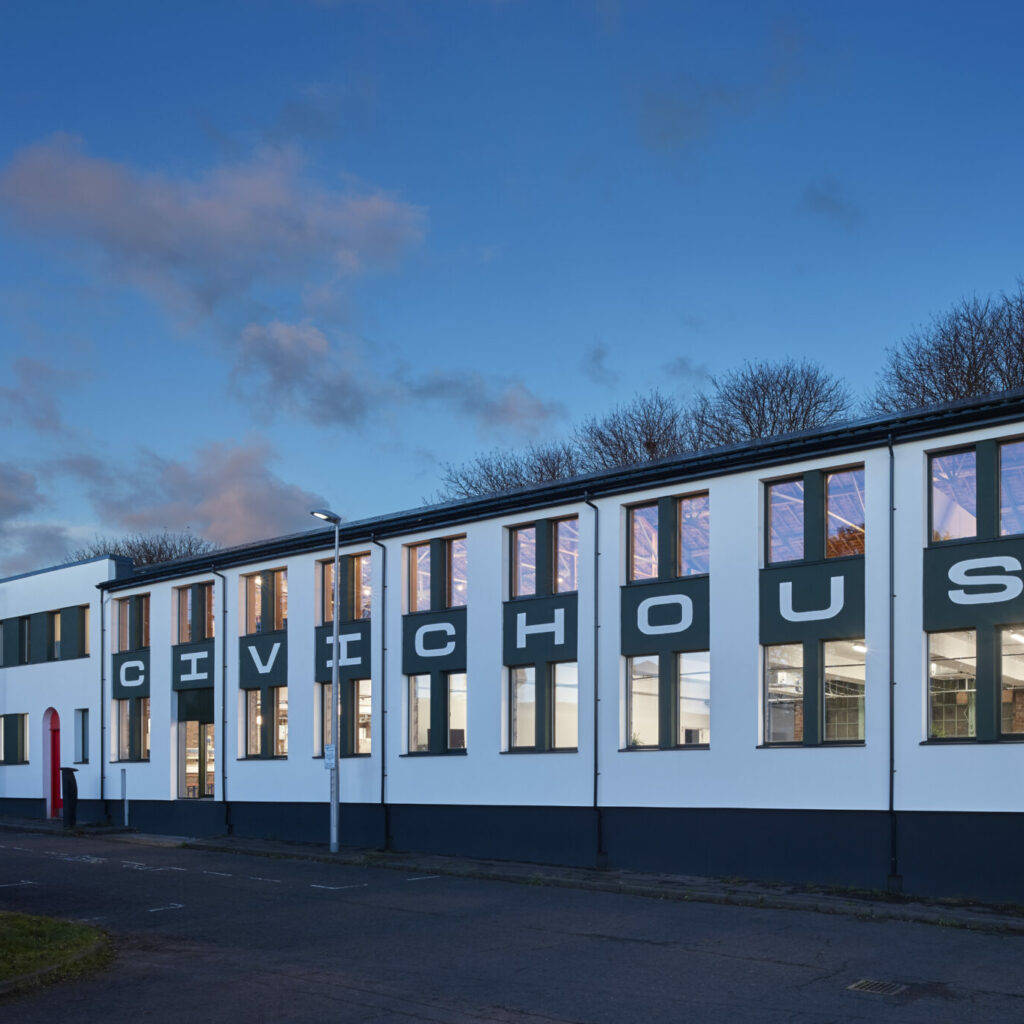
1011, 680
81, 736
814, 692
544, 706
196, 760
131, 729
668, 700
266, 722
13, 739
952, 684
354, 709
438, 713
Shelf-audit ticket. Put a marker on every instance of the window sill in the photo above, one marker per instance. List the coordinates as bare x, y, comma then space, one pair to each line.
431, 753
263, 757
131, 760
79, 762
810, 561
12, 764
534, 750
341, 757
831, 745
954, 741
681, 746
265, 632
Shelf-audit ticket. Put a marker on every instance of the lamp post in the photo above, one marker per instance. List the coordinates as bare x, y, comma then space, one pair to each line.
335, 519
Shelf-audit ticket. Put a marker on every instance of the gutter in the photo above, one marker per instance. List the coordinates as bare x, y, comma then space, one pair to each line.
224, 697
895, 881
383, 687
602, 855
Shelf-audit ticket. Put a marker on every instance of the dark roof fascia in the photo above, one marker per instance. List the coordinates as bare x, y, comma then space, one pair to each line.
827, 441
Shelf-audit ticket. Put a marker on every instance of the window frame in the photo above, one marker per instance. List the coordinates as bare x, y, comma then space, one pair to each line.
266, 730
438, 729
440, 585
349, 588
668, 724
271, 598
930, 540
667, 538
544, 689
350, 689
545, 547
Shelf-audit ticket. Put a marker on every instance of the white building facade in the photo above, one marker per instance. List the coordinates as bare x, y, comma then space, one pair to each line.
797, 659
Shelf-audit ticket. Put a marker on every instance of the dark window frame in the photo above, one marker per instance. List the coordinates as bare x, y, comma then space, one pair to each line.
349, 585
668, 702
440, 549
815, 535
440, 715
546, 557
669, 554
544, 698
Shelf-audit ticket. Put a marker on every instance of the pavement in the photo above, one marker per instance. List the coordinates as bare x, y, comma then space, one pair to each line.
864, 904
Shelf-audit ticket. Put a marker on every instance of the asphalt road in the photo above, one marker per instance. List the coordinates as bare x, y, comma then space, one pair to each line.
206, 937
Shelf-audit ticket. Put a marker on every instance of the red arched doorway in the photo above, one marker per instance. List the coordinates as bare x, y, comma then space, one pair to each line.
51, 781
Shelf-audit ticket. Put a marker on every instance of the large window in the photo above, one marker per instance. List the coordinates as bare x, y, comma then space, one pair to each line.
669, 538
1011, 678
954, 495
826, 693
354, 710
195, 612
784, 694
266, 601
356, 589
843, 664
817, 515
437, 574
438, 713
668, 700
266, 722
952, 677
544, 707
131, 729
132, 615
545, 557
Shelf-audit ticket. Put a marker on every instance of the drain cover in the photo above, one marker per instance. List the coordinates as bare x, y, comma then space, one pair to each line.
877, 988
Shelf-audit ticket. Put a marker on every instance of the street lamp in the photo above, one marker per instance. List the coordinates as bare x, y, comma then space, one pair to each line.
332, 517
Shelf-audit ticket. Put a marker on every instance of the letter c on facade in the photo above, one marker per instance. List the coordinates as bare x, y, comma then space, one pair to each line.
136, 680
434, 652
643, 614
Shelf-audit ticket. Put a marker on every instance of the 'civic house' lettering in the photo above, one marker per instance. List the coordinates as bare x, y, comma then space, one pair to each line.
193, 674
643, 614
556, 627
965, 574
344, 640
264, 667
835, 604
434, 652
137, 680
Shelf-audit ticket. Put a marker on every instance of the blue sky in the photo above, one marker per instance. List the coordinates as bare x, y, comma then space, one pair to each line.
266, 256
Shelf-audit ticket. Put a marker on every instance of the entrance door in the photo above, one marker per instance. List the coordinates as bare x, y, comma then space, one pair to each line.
56, 803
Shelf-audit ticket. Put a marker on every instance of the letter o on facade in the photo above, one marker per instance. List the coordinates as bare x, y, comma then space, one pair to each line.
643, 614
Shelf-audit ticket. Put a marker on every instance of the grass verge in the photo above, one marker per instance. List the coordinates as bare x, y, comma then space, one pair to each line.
36, 950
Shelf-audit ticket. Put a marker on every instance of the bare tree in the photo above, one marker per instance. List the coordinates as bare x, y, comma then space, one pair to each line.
647, 427
763, 399
145, 548
975, 348
506, 470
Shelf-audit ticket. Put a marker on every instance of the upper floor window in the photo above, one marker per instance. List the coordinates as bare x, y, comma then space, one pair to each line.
954, 495
819, 514
195, 612
355, 586
438, 574
669, 538
977, 492
266, 601
545, 557
132, 622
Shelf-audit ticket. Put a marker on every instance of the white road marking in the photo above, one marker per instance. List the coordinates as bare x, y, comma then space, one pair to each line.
170, 906
14, 885
338, 888
219, 874
256, 878
139, 866
422, 878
